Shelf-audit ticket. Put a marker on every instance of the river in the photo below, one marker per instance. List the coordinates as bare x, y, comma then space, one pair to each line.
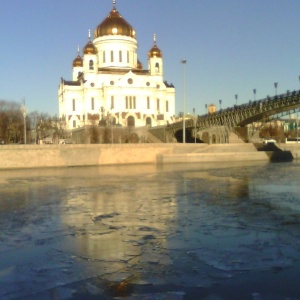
186, 231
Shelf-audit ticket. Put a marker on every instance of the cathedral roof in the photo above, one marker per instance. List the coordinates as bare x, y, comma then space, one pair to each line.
139, 65
69, 82
114, 24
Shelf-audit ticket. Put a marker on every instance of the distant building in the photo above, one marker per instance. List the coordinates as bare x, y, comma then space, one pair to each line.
110, 85
212, 108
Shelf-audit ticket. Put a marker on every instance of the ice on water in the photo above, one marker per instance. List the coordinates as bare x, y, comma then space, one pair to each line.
181, 227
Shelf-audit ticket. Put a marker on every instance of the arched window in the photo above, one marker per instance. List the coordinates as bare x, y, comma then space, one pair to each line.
157, 67
130, 121
104, 56
92, 103
148, 102
91, 64
130, 102
167, 106
73, 105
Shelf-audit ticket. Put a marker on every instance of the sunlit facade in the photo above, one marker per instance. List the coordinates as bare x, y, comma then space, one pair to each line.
110, 85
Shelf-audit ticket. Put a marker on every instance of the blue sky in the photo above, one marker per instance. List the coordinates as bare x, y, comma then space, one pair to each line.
231, 46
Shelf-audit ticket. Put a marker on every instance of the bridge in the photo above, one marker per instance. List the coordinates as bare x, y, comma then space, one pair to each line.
216, 127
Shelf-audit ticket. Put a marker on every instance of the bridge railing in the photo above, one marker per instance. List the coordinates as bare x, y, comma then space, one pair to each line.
232, 116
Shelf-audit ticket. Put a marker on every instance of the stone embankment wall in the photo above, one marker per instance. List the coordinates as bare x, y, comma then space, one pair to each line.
37, 156
40, 156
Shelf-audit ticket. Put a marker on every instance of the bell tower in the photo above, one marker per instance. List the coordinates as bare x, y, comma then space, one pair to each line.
155, 61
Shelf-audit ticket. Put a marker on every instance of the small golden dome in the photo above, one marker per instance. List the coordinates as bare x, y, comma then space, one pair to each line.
77, 62
154, 52
114, 24
139, 65
90, 48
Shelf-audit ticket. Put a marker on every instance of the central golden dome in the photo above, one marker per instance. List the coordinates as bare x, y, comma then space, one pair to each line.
114, 24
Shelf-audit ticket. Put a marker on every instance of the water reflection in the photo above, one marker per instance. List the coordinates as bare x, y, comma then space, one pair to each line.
188, 225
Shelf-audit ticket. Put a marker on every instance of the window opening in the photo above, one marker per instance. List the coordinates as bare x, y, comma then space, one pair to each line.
112, 102
91, 63
112, 56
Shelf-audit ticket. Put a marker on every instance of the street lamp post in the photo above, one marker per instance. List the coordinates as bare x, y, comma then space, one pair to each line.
236, 97
35, 119
254, 94
112, 128
23, 110
297, 127
194, 111
220, 101
276, 85
183, 61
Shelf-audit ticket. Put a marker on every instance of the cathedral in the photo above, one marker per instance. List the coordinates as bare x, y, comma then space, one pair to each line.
109, 85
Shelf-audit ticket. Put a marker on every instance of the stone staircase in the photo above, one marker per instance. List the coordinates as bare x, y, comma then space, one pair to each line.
152, 138
194, 153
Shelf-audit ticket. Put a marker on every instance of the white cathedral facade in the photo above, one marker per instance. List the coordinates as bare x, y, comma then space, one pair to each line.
110, 85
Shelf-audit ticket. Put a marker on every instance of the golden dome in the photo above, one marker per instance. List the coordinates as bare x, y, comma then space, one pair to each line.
77, 62
154, 52
90, 48
114, 24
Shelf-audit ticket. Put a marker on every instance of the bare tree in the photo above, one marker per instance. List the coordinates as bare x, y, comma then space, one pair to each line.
11, 122
38, 125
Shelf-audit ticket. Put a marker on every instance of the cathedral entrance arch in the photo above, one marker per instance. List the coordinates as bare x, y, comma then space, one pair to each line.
131, 121
113, 121
148, 121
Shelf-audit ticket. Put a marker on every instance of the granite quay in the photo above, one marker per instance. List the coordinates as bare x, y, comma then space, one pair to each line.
41, 156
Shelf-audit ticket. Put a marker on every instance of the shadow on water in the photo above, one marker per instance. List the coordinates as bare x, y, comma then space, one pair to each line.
274, 153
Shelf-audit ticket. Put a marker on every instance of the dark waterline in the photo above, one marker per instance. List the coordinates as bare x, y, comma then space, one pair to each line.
196, 231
